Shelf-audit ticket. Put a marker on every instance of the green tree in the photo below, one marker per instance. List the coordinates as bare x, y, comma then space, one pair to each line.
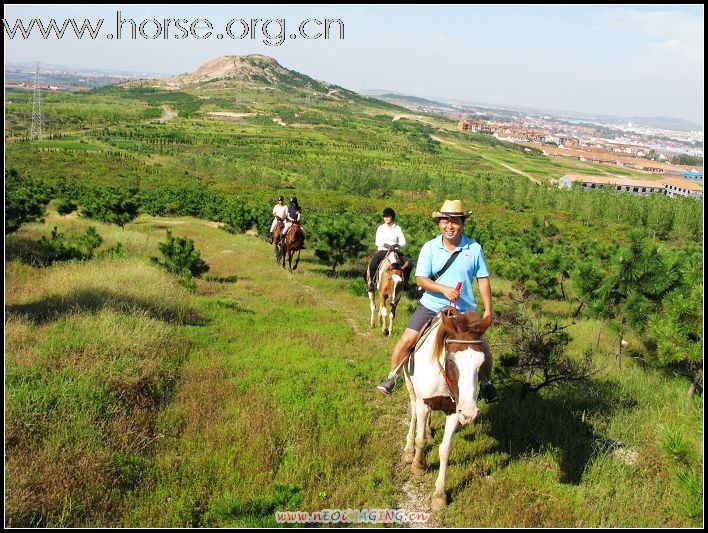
25, 200
677, 331
637, 280
339, 238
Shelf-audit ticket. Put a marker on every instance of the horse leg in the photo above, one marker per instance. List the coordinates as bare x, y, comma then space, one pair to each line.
297, 260
372, 304
429, 431
409, 450
383, 312
422, 411
391, 316
439, 498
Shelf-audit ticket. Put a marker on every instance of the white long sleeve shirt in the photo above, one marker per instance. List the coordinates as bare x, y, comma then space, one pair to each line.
391, 235
280, 211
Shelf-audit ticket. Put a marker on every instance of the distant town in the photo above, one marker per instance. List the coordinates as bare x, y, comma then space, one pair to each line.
60, 78
674, 155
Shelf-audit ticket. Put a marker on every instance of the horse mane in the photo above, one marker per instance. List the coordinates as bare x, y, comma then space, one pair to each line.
471, 324
439, 343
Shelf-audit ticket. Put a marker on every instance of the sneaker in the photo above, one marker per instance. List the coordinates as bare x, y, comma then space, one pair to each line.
489, 393
387, 384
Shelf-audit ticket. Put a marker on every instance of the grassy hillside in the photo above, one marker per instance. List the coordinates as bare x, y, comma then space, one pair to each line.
145, 404
132, 401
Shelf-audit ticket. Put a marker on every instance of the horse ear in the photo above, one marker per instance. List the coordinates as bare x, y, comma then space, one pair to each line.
447, 322
474, 324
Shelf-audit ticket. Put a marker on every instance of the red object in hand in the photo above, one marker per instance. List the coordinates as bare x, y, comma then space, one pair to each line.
457, 288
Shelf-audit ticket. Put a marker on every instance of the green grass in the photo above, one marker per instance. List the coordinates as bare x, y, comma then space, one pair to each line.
132, 402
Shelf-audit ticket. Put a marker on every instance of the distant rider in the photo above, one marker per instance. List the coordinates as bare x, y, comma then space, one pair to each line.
280, 211
389, 236
294, 214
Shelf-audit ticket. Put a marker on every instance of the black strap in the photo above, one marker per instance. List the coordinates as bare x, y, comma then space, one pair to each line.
450, 261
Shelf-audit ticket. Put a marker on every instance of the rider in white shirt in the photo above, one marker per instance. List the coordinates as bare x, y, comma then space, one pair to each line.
389, 236
280, 210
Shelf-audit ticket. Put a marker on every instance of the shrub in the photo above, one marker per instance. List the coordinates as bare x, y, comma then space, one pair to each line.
56, 248
66, 206
180, 257
25, 200
111, 205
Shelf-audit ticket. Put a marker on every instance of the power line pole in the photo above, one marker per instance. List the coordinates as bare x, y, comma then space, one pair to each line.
37, 131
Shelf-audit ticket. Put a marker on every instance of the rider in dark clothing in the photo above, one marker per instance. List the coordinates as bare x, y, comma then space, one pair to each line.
294, 215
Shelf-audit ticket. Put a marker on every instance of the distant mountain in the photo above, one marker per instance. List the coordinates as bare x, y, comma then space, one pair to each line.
250, 70
666, 123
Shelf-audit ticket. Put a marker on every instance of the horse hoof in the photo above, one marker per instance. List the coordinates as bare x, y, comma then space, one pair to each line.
418, 469
438, 503
408, 457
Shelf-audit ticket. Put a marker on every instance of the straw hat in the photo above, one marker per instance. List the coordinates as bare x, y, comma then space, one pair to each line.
452, 208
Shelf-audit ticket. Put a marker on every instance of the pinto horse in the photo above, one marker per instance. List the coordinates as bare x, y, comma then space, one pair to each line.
293, 243
443, 375
389, 285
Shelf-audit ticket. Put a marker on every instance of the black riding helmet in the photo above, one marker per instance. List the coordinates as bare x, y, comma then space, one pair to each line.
388, 212
281, 199
293, 200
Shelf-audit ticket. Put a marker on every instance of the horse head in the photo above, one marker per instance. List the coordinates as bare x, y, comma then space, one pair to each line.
458, 343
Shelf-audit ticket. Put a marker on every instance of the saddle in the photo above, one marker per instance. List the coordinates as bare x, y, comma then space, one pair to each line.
425, 331
437, 403
377, 276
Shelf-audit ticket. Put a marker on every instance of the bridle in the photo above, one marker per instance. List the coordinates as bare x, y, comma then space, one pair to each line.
450, 312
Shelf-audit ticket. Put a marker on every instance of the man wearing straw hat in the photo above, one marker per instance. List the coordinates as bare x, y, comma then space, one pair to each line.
450, 258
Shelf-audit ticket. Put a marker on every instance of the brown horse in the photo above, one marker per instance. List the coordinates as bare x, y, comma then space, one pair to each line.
294, 241
277, 238
389, 285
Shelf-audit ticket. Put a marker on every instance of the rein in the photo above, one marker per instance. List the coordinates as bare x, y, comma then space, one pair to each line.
447, 380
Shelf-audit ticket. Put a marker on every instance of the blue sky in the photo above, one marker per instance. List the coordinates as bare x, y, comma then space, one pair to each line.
620, 60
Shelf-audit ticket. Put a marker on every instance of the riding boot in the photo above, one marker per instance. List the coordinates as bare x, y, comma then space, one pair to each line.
387, 384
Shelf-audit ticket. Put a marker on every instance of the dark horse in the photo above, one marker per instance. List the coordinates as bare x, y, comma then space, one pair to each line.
293, 243
278, 239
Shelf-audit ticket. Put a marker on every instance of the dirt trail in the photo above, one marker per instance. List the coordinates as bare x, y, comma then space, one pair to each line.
167, 115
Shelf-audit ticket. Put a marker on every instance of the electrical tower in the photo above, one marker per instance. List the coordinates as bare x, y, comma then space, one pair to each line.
37, 131
307, 94
239, 91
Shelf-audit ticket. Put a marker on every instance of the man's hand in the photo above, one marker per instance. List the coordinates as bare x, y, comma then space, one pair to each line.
450, 293
486, 322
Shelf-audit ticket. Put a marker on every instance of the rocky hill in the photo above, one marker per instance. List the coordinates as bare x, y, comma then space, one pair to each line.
251, 71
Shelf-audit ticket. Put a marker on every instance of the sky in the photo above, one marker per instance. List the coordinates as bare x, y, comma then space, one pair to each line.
614, 60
